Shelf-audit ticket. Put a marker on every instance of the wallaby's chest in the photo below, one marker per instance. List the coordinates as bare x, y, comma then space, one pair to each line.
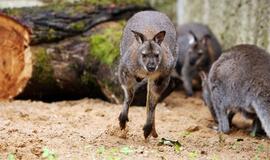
152, 75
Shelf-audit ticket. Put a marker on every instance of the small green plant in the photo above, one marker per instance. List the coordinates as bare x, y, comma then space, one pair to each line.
126, 150
113, 153
215, 157
11, 156
260, 148
101, 150
185, 134
48, 154
173, 143
193, 155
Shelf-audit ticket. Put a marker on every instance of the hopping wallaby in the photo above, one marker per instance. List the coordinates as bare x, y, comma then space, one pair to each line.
239, 82
148, 55
256, 125
198, 48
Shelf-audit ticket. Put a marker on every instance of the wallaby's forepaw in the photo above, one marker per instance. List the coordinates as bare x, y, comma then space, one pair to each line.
154, 133
147, 129
123, 118
189, 93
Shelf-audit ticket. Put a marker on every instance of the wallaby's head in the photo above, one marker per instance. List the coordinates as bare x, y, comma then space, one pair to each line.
198, 50
149, 50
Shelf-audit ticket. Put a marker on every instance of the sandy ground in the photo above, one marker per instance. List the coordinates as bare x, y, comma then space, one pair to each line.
88, 129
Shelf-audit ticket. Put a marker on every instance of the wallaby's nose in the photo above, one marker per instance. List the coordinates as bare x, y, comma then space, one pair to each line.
151, 68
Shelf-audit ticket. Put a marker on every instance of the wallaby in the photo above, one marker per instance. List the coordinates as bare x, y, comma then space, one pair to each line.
239, 82
198, 48
256, 125
148, 55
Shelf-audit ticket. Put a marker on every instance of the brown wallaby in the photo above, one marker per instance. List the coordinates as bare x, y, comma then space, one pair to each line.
198, 48
239, 82
148, 55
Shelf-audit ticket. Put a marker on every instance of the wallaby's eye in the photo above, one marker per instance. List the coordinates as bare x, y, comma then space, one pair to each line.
156, 55
144, 55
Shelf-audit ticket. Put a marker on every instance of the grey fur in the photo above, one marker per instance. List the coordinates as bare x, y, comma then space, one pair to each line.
148, 51
196, 56
239, 82
256, 125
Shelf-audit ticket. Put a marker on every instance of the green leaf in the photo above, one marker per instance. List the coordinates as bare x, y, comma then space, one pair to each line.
177, 147
101, 150
126, 150
114, 150
193, 155
48, 154
11, 156
168, 142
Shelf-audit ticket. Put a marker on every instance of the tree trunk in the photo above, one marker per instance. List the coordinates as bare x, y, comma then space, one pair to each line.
75, 52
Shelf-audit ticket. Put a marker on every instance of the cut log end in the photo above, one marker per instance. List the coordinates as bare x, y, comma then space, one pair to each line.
15, 59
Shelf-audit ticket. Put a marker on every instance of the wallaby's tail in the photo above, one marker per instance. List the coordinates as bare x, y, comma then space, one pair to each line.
262, 109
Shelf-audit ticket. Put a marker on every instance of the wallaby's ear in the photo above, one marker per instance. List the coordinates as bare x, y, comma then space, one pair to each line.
192, 38
203, 75
205, 39
159, 37
139, 36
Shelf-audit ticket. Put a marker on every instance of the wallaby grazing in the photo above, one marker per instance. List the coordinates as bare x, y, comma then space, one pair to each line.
198, 48
148, 55
256, 125
239, 82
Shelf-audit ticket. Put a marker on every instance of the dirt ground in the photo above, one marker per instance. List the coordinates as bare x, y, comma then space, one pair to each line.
88, 129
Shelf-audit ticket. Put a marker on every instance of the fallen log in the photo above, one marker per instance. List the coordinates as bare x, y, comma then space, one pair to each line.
15, 61
75, 54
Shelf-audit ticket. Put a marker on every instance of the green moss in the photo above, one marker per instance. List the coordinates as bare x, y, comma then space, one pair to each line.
51, 34
59, 3
105, 45
87, 79
78, 25
117, 2
43, 71
13, 12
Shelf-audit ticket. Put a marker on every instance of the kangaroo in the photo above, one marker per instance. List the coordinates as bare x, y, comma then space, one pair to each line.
198, 48
148, 55
256, 125
239, 82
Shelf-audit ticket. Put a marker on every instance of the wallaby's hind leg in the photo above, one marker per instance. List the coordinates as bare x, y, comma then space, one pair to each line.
123, 117
257, 127
262, 110
222, 116
230, 117
154, 89
187, 80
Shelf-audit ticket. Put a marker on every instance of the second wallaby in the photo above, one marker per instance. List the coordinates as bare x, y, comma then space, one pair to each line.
256, 125
239, 82
198, 48
148, 55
